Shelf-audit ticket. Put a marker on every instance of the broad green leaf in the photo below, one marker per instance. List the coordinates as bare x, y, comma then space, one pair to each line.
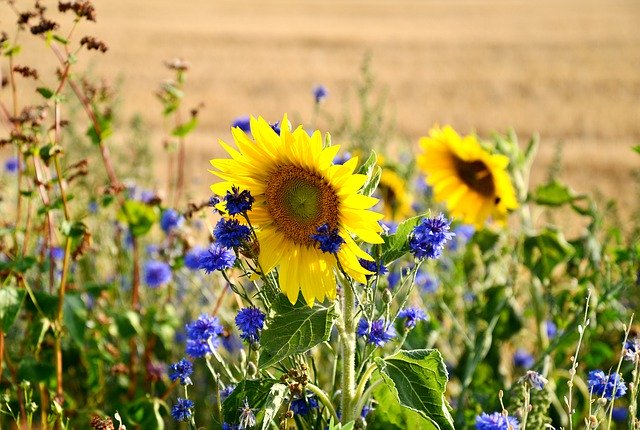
545, 251
128, 324
11, 300
139, 216
396, 245
369, 165
419, 379
274, 402
183, 129
20, 265
35, 371
75, 317
255, 391
294, 329
553, 194
390, 415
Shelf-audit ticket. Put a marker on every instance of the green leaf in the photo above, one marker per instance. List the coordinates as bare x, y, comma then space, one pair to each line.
419, 379
273, 404
293, 330
35, 371
139, 216
372, 182
20, 265
396, 245
75, 229
390, 415
128, 324
339, 426
60, 39
183, 129
545, 251
75, 317
45, 92
553, 194
637, 148
146, 413
106, 129
12, 50
11, 300
255, 391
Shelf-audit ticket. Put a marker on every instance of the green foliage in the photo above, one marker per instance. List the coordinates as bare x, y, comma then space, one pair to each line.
10, 302
543, 252
139, 216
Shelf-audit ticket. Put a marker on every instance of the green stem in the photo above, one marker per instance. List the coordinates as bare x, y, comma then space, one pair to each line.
348, 343
322, 396
363, 382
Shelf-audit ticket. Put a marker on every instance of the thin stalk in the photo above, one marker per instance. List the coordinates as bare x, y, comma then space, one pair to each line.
322, 396
348, 343
574, 365
135, 306
363, 381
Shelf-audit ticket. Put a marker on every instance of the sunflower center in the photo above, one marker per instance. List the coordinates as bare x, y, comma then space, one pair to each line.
300, 200
476, 175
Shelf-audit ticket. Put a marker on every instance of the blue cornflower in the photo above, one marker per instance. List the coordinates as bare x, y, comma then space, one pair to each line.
620, 414
213, 201
603, 385
192, 257
57, 253
181, 411
535, 379
12, 165
389, 227
157, 273
378, 333
496, 421
426, 281
238, 201
631, 350
202, 335
230, 233
181, 370
275, 127
522, 358
429, 237
342, 158
372, 266
250, 321
244, 122
365, 411
93, 206
226, 392
393, 278
320, 93
328, 240
412, 316
170, 220
217, 258
303, 405
552, 329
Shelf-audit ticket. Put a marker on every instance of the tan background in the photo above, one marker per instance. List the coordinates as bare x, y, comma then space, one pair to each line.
569, 69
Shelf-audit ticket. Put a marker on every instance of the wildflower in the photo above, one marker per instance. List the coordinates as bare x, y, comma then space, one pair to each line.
412, 316
213, 201
552, 329
230, 233
226, 392
631, 351
620, 414
250, 321
243, 123
217, 258
299, 189
496, 421
393, 279
378, 333
192, 257
202, 335
157, 273
275, 126
607, 386
12, 165
342, 158
426, 281
473, 182
372, 266
534, 379
181, 411
238, 201
428, 238
390, 227
303, 405
57, 253
247, 417
227, 426
329, 241
170, 220
522, 358
320, 93
181, 370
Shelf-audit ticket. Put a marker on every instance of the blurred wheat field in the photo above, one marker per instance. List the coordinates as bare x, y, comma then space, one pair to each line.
569, 70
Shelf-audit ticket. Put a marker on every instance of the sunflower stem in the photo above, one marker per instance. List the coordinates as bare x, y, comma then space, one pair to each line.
348, 341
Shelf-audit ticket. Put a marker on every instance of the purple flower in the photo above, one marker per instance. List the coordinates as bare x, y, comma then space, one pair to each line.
320, 93
428, 238
243, 122
342, 158
202, 334
170, 220
522, 358
11, 165
552, 329
372, 266
328, 240
157, 273
250, 321
463, 233
496, 421
426, 281
238, 201
217, 258
226, 392
181, 411
378, 333
192, 257
230, 233
412, 316
181, 370
304, 405
608, 386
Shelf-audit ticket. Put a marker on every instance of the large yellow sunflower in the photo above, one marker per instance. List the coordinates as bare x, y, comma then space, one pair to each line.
473, 183
395, 196
297, 189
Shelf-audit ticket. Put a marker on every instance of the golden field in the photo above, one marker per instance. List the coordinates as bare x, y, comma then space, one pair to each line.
568, 69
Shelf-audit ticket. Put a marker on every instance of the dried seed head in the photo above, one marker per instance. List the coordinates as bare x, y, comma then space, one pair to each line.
26, 71
82, 9
43, 26
177, 64
98, 423
94, 44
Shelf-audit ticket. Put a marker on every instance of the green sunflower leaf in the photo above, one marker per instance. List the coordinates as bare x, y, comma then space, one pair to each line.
545, 251
139, 216
553, 194
418, 379
396, 245
255, 391
293, 330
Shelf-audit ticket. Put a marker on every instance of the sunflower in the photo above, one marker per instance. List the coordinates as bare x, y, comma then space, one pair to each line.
473, 182
297, 190
395, 196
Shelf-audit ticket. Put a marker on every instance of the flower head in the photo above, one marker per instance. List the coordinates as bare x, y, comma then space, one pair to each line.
607, 386
217, 258
304, 405
320, 93
373, 267
412, 316
250, 321
296, 190
157, 273
428, 238
329, 241
237, 201
170, 220
473, 182
534, 379
181, 411
202, 335
226, 392
496, 421
522, 358
378, 333
11, 165
242, 122
181, 370
230, 233
631, 351
427, 282
192, 257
